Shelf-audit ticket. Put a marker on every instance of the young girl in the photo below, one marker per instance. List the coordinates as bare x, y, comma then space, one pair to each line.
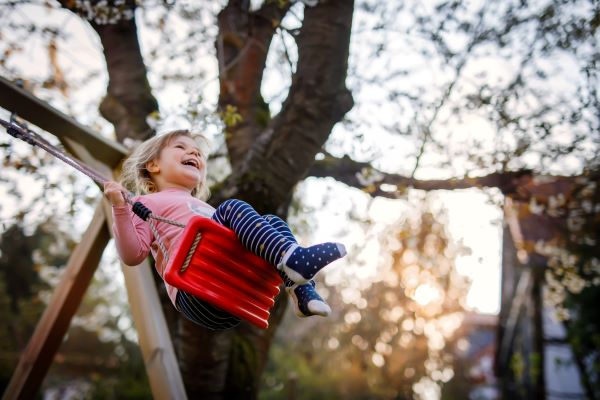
168, 172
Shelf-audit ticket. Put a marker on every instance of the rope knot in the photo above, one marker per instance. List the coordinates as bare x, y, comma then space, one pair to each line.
17, 133
11, 130
141, 210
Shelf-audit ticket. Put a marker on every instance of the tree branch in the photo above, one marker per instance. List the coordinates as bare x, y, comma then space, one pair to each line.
520, 185
129, 99
317, 100
242, 48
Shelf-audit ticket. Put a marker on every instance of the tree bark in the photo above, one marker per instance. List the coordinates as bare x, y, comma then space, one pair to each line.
249, 355
204, 359
129, 100
318, 98
242, 48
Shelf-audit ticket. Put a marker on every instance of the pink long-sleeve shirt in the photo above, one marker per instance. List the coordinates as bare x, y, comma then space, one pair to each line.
133, 236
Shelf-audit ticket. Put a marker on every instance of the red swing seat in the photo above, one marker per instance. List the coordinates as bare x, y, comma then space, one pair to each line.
223, 272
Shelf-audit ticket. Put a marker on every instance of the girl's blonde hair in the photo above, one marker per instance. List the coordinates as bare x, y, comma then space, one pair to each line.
136, 177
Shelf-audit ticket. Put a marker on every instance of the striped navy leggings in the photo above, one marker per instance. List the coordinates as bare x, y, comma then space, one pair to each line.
267, 236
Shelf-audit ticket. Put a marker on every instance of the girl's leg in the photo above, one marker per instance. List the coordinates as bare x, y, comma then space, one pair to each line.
305, 298
257, 235
203, 313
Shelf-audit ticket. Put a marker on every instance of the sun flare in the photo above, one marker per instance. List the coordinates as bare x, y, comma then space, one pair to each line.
426, 293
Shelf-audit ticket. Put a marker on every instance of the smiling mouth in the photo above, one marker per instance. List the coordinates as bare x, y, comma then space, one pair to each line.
191, 163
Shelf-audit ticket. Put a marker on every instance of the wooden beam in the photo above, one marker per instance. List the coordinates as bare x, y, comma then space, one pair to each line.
153, 334
539, 378
50, 330
155, 341
40, 113
521, 295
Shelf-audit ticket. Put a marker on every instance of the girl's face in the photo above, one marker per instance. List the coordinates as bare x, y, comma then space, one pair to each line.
179, 165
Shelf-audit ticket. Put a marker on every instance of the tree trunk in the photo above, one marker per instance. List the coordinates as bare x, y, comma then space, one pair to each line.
242, 48
284, 152
268, 156
249, 354
129, 100
204, 359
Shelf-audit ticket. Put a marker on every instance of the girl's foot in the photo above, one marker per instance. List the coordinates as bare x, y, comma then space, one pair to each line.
307, 301
301, 264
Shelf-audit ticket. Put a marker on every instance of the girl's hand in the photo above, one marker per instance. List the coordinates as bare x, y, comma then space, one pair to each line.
114, 193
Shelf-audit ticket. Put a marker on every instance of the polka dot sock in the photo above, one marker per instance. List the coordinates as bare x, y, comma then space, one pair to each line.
270, 238
307, 301
301, 264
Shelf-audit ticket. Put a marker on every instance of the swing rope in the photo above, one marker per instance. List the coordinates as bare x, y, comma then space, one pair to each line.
219, 286
23, 133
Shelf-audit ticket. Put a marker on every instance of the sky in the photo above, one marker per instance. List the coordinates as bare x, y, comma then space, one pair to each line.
478, 224
471, 220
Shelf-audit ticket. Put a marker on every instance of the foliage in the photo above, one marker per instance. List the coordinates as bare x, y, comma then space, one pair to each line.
583, 333
104, 12
230, 116
23, 258
573, 258
98, 349
442, 89
485, 86
578, 275
389, 338
19, 309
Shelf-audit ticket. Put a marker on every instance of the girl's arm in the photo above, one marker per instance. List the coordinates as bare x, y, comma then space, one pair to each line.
133, 237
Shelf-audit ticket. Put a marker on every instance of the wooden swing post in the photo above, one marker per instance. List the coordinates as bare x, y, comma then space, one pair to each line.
155, 341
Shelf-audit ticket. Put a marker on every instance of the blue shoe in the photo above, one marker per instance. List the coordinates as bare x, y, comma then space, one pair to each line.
307, 301
301, 264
